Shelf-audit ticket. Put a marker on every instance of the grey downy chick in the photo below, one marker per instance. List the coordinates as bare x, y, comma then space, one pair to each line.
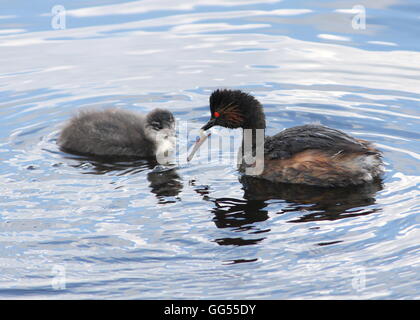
119, 133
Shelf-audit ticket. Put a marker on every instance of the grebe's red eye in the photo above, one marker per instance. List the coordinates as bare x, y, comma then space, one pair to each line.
216, 114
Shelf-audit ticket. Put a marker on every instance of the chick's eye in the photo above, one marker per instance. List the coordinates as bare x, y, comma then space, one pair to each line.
157, 125
216, 114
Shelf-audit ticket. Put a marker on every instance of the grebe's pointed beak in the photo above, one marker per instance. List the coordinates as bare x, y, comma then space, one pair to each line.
200, 140
209, 124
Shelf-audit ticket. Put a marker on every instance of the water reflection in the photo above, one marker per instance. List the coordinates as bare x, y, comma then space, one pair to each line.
240, 216
164, 181
317, 203
103, 165
308, 202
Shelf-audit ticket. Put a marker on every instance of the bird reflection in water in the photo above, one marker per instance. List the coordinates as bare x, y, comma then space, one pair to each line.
164, 180
308, 202
317, 203
165, 183
239, 215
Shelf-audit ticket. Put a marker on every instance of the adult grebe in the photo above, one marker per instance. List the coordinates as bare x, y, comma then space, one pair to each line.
119, 133
309, 154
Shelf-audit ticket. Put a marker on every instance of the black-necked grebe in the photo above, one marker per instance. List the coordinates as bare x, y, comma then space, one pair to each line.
309, 154
119, 133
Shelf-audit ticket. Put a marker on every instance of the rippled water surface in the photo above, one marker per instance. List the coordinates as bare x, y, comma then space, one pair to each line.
73, 227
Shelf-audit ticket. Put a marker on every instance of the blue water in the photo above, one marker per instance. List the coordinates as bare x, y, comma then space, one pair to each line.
77, 228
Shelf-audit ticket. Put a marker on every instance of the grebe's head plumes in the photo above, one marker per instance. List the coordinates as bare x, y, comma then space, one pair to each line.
231, 109
235, 109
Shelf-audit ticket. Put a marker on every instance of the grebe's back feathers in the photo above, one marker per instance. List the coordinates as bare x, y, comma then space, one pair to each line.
291, 141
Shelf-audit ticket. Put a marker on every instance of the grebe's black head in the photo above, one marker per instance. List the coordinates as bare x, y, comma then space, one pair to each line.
235, 109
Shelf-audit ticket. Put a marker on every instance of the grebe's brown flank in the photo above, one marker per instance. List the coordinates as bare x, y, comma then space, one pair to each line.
309, 154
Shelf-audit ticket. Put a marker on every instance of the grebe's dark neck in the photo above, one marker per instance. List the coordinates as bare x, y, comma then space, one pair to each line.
255, 122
